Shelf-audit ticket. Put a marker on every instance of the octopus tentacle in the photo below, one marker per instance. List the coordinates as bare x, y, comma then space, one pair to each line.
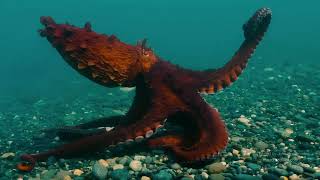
214, 80
143, 128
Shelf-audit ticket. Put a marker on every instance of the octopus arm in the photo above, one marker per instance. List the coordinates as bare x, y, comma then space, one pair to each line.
211, 81
136, 131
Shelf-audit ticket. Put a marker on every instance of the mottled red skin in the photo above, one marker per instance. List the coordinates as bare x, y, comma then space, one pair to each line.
163, 91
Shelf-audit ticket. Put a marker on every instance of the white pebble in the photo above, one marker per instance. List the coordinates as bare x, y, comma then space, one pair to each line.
135, 165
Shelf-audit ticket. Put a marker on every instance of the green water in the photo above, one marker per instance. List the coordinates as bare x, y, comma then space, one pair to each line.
278, 90
194, 34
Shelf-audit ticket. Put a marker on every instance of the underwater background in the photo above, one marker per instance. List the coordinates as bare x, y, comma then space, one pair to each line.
278, 92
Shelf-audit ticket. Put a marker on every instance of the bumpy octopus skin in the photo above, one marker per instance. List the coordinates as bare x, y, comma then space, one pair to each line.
164, 92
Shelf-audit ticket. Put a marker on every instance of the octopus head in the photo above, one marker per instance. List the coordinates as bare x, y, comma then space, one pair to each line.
101, 58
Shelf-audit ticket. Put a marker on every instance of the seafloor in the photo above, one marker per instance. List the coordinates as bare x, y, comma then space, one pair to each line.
272, 114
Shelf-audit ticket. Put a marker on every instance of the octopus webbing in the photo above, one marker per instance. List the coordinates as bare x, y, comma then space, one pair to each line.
164, 93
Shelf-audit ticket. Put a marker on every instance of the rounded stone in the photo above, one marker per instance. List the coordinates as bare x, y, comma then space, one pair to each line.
99, 170
163, 175
246, 177
145, 178
216, 168
295, 168
261, 145
135, 165
175, 166
216, 177
119, 174
77, 172
117, 166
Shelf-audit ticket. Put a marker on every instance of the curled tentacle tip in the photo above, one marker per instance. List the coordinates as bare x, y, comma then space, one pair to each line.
28, 165
257, 24
24, 167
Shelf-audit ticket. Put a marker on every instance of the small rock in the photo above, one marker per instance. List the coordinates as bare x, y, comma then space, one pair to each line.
204, 175
145, 178
235, 152
316, 175
246, 177
295, 168
294, 177
117, 166
48, 174
261, 145
8, 155
104, 163
139, 157
120, 174
99, 170
175, 166
280, 172
63, 175
286, 133
216, 168
77, 172
247, 152
216, 177
163, 175
242, 119
254, 166
135, 165
269, 177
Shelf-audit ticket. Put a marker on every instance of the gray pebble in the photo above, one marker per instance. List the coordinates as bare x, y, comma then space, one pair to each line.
246, 177
295, 168
216, 177
163, 175
253, 166
120, 174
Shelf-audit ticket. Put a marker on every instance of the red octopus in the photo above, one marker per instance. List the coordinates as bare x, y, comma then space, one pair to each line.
164, 92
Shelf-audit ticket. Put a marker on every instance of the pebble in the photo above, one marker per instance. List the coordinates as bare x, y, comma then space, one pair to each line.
204, 175
294, 177
135, 165
269, 177
104, 163
279, 171
295, 168
63, 175
235, 152
99, 170
120, 174
162, 175
246, 177
49, 174
260, 145
216, 177
286, 133
247, 152
77, 172
254, 166
145, 178
175, 166
316, 175
216, 168
117, 166
139, 157
242, 119
7, 155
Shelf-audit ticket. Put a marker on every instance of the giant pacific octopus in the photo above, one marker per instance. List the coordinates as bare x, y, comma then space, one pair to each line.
164, 92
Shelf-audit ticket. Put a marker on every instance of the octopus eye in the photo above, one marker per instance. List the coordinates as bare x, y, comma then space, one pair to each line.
145, 53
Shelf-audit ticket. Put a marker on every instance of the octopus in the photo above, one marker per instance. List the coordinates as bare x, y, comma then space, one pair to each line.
164, 93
